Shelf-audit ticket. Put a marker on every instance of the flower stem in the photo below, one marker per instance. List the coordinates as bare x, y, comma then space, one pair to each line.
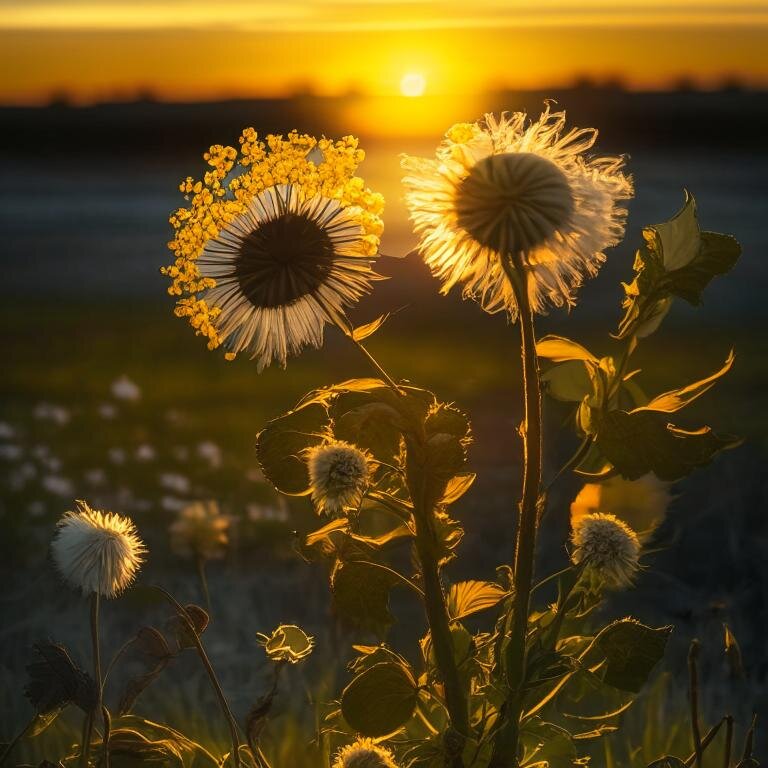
182, 613
437, 617
386, 378
506, 745
96, 653
693, 690
200, 563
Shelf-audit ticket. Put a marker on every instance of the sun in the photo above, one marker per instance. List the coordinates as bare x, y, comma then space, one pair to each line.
413, 84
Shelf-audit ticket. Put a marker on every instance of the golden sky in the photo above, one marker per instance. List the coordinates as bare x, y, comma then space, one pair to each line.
187, 49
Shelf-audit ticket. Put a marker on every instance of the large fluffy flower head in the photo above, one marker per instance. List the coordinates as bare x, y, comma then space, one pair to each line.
97, 552
269, 253
606, 546
364, 753
338, 474
200, 530
519, 190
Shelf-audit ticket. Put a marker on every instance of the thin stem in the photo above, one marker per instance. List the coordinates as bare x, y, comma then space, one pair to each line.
16, 739
728, 741
706, 741
392, 572
118, 654
180, 610
693, 682
386, 378
437, 617
506, 745
200, 564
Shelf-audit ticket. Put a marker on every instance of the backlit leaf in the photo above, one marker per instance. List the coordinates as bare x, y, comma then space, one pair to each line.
468, 597
380, 700
364, 331
361, 595
559, 349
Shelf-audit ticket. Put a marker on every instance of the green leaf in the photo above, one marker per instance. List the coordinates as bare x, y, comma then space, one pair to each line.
364, 331
373, 426
559, 349
546, 744
570, 381
380, 700
717, 255
468, 597
361, 595
631, 650
457, 486
280, 445
43, 720
642, 441
676, 399
678, 240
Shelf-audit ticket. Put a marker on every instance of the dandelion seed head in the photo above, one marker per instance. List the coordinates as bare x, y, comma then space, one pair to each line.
338, 475
608, 546
97, 552
509, 185
364, 753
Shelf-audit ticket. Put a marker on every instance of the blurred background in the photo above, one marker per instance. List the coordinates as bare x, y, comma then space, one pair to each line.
107, 104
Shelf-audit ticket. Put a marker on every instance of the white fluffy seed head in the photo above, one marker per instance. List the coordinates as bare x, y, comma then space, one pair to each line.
97, 551
607, 546
364, 753
338, 475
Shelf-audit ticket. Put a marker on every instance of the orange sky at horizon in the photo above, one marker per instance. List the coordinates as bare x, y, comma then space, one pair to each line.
188, 49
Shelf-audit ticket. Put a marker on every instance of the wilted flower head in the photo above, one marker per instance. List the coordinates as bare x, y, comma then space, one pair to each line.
267, 256
640, 503
338, 475
506, 187
97, 551
287, 643
364, 753
200, 530
607, 546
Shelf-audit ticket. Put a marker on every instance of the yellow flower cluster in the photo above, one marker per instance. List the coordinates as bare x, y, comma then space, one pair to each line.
323, 166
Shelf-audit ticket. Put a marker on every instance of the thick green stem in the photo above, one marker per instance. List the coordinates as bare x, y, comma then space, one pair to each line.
506, 747
439, 624
230, 718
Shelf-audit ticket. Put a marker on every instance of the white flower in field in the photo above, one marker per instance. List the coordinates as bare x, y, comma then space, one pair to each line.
97, 552
107, 411
607, 546
123, 388
145, 452
172, 504
95, 476
640, 503
7, 432
174, 482
57, 485
338, 475
10, 452
506, 189
51, 412
116, 456
210, 452
200, 530
364, 753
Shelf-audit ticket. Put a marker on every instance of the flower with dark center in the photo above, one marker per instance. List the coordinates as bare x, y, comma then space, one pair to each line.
516, 191
265, 258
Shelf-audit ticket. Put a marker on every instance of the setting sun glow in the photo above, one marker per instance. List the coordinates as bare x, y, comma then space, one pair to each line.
413, 84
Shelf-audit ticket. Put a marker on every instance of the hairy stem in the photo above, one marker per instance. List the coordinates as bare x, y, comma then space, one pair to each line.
385, 377
230, 718
506, 745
